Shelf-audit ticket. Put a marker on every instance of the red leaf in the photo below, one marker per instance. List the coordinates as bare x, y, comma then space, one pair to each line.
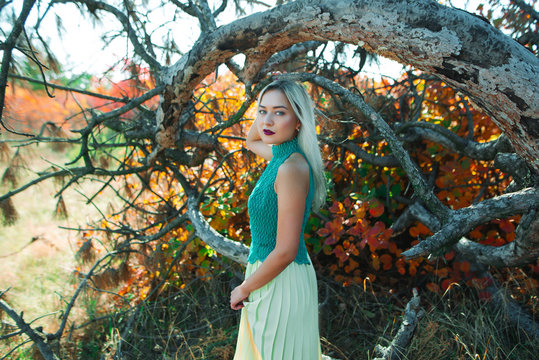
376, 208
507, 226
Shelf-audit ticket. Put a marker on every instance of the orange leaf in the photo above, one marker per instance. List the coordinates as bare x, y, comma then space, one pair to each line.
507, 226
447, 283
412, 270
337, 208
442, 272
387, 260
375, 261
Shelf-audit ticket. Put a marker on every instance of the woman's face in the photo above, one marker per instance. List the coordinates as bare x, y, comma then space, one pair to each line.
277, 122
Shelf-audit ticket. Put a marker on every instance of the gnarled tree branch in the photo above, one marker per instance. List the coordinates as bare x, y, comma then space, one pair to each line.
464, 220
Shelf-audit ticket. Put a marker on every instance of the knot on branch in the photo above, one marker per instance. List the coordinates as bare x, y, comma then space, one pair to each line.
523, 175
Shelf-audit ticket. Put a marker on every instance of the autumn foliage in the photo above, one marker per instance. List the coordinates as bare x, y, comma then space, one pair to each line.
350, 239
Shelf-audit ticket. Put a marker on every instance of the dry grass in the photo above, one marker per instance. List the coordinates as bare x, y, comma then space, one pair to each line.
459, 326
36, 255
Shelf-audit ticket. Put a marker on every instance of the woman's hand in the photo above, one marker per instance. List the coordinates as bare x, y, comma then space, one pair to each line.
237, 296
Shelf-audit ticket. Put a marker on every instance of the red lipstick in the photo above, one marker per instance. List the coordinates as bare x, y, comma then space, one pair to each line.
268, 132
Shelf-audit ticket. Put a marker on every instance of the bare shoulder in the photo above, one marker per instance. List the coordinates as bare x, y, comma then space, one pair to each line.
293, 174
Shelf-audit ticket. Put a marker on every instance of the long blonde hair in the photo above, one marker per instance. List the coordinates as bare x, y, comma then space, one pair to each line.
308, 142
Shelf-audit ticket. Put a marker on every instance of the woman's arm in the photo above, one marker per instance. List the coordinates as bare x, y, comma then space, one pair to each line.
255, 143
292, 186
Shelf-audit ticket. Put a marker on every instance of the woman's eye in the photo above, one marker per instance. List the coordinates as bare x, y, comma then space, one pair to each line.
280, 113
262, 112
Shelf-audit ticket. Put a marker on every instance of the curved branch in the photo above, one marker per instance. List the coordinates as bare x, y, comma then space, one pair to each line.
229, 248
421, 188
386, 161
220, 9
523, 250
439, 134
434, 38
415, 212
288, 54
124, 20
464, 220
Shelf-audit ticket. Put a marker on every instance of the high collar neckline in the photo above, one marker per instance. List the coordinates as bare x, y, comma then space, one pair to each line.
285, 148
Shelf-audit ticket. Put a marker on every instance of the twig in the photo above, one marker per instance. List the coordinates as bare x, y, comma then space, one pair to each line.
66, 88
34, 239
82, 284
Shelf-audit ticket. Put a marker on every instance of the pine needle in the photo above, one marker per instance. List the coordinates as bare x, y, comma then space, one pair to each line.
10, 177
8, 211
18, 161
86, 253
107, 279
61, 210
5, 152
55, 131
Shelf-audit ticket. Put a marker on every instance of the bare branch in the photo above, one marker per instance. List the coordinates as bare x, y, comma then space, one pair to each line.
415, 212
124, 20
33, 334
229, 248
221, 8
447, 138
412, 314
524, 249
386, 161
464, 220
286, 55
446, 49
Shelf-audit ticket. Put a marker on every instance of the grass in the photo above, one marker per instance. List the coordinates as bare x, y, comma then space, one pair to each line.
459, 326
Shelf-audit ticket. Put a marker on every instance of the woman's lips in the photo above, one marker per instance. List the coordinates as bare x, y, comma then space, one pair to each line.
268, 132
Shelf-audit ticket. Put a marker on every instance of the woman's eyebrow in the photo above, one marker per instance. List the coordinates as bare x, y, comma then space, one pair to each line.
275, 107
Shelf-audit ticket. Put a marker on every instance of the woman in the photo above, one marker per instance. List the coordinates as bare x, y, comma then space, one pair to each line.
279, 298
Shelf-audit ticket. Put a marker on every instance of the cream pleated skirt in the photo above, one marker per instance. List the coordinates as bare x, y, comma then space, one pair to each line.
280, 320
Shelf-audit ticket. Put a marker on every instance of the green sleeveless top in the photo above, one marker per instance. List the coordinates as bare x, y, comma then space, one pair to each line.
263, 211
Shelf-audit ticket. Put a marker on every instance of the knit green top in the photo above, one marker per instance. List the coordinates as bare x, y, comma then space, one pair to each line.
263, 211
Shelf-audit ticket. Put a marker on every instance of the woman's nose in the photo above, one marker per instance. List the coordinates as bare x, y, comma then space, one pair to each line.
268, 119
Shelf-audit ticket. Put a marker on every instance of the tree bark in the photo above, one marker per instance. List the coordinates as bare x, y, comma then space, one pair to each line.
412, 314
464, 220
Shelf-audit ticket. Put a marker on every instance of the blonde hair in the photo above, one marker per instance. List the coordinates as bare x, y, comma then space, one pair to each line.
308, 142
